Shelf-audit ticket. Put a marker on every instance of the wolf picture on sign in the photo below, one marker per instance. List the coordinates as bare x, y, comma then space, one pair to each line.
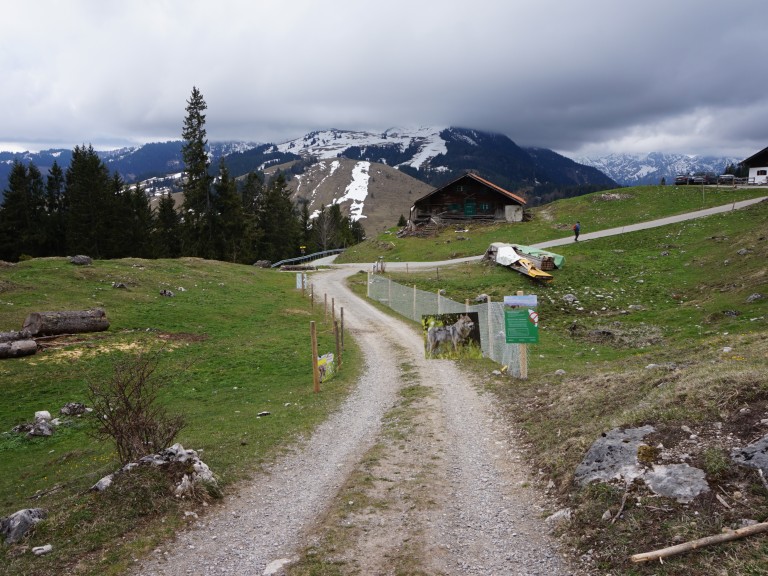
452, 336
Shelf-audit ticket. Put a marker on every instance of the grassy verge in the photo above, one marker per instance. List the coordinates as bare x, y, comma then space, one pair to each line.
229, 341
595, 211
655, 327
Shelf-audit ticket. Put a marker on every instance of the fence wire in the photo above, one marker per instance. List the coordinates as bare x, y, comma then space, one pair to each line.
413, 303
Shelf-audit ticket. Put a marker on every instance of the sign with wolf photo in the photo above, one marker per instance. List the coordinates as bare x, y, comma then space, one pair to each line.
454, 335
521, 321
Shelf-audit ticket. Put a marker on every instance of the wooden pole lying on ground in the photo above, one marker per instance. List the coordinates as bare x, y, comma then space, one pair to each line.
315, 369
700, 543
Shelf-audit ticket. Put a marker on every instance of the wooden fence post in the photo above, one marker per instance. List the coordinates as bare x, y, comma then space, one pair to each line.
315, 369
342, 327
337, 337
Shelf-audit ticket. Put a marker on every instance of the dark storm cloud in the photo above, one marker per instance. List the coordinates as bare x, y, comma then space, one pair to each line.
579, 77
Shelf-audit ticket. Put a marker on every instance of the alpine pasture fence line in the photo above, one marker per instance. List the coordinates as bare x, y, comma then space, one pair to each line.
413, 303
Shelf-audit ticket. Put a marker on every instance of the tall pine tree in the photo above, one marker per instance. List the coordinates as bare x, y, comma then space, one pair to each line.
90, 200
22, 214
55, 209
197, 209
278, 222
167, 237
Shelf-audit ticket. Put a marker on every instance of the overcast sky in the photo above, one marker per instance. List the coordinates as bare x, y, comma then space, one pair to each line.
582, 77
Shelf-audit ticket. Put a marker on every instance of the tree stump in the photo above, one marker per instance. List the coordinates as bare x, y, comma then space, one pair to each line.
17, 348
66, 322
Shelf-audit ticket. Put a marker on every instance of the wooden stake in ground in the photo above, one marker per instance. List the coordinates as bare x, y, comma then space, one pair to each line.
337, 336
315, 368
700, 543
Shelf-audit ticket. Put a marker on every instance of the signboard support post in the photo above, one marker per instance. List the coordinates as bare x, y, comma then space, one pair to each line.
315, 369
523, 354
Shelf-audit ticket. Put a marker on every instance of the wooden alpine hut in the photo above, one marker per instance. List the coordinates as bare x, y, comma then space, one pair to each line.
467, 198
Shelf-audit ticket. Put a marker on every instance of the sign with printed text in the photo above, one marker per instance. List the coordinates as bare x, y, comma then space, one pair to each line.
521, 321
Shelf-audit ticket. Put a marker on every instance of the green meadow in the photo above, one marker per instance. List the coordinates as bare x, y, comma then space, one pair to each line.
234, 342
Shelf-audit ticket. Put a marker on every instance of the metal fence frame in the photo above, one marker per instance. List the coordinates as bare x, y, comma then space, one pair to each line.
413, 303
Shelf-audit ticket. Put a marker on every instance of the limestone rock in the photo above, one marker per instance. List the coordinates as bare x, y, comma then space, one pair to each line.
15, 526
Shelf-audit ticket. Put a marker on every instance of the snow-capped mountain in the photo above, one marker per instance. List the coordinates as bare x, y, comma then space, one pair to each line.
419, 144
642, 169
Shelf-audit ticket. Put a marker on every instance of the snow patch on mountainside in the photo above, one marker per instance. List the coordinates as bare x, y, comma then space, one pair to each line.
329, 144
357, 191
321, 166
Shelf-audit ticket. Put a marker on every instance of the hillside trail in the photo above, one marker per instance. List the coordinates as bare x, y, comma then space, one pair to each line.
434, 486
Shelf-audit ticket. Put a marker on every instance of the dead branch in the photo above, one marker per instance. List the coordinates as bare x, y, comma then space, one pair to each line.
701, 543
621, 508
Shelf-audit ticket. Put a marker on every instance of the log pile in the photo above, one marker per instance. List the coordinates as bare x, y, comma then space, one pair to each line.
42, 324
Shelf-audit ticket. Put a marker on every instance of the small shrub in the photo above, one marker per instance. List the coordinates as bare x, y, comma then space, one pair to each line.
127, 411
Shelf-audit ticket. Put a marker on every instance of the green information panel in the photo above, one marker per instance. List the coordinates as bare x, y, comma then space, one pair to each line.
521, 321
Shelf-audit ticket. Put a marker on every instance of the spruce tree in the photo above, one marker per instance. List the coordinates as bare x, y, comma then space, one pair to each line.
55, 211
22, 214
197, 213
167, 235
90, 204
278, 223
230, 218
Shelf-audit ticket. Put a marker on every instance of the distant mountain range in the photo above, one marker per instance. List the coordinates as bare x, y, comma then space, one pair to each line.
397, 165
643, 169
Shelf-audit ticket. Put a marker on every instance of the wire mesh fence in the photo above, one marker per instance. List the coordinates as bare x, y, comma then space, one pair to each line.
413, 303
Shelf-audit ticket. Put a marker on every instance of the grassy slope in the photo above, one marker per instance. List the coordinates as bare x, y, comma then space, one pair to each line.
232, 348
691, 284
549, 222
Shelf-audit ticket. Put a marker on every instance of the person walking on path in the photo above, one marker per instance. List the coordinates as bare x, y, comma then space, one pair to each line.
576, 230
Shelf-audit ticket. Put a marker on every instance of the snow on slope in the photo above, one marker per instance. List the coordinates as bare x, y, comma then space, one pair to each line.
357, 191
328, 144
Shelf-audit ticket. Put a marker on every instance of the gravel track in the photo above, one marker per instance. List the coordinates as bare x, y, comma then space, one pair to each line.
485, 520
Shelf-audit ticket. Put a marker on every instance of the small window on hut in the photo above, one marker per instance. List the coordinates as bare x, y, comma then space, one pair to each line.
762, 172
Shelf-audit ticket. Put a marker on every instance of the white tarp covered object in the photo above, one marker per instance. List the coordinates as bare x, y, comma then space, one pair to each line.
506, 255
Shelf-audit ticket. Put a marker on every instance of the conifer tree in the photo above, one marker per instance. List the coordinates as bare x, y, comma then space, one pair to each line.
278, 222
22, 213
168, 230
252, 194
141, 223
197, 210
230, 218
55, 209
90, 203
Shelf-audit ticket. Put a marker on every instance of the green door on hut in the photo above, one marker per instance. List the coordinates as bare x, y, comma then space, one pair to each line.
470, 208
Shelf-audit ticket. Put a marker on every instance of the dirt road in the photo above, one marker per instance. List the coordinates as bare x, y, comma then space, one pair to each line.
417, 472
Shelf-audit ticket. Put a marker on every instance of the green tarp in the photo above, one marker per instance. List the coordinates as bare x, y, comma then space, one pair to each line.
557, 258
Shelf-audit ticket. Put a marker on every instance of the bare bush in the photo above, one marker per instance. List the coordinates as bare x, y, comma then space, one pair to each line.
127, 410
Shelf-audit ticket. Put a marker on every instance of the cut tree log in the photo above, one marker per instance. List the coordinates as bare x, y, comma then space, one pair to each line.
700, 543
12, 336
17, 348
66, 322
